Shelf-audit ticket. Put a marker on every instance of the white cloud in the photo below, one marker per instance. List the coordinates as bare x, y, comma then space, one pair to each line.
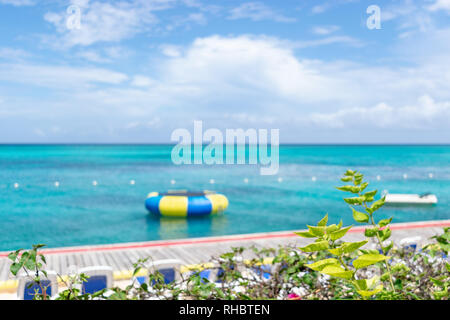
327, 41
13, 54
423, 114
246, 79
59, 76
411, 18
321, 8
105, 54
217, 65
187, 21
325, 30
440, 5
105, 22
153, 123
406, 8
257, 11
93, 56
142, 81
18, 3
211, 8
171, 50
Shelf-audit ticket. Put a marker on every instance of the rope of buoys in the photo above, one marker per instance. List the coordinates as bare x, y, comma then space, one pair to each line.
132, 182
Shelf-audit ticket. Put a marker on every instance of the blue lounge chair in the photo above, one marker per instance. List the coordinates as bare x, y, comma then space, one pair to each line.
100, 277
170, 269
27, 288
410, 243
264, 271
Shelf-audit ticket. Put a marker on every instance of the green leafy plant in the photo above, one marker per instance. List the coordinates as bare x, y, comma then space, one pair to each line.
442, 242
327, 238
328, 268
31, 262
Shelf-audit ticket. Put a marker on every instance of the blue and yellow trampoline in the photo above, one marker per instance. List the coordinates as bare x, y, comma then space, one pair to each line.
185, 203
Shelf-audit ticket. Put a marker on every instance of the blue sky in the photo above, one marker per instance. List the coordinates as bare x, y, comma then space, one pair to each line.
136, 70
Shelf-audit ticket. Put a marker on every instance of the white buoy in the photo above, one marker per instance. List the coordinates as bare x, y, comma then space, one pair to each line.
94, 183
430, 175
16, 185
212, 181
132, 182
378, 178
280, 179
245, 180
57, 184
405, 176
313, 179
172, 181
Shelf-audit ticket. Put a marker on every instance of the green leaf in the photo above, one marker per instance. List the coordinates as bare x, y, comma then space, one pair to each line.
437, 282
338, 251
388, 247
385, 233
13, 256
369, 293
370, 194
385, 276
24, 257
358, 178
136, 270
316, 246
447, 265
361, 284
349, 173
438, 295
370, 232
15, 267
305, 234
321, 264
323, 222
349, 247
363, 186
30, 264
354, 200
368, 259
337, 271
360, 216
384, 222
400, 267
331, 228
339, 233
352, 189
317, 231
372, 281
347, 179
377, 204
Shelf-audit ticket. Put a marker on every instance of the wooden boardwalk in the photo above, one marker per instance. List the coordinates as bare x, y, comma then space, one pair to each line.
196, 250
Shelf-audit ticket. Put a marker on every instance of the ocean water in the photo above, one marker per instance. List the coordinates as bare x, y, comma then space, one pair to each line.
78, 213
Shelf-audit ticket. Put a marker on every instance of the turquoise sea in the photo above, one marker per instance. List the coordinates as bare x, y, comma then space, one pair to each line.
78, 213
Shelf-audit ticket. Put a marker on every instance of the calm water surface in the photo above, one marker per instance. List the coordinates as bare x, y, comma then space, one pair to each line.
77, 213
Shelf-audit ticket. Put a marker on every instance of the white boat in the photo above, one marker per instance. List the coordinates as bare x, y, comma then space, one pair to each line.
427, 198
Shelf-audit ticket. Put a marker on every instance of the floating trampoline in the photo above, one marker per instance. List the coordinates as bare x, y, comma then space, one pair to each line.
186, 203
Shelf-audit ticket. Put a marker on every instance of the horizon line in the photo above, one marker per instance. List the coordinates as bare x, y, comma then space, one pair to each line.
206, 143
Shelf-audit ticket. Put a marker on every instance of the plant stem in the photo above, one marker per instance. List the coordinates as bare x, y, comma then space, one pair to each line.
386, 263
342, 263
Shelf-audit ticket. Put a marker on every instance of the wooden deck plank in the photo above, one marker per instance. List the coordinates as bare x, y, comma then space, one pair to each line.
190, 251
